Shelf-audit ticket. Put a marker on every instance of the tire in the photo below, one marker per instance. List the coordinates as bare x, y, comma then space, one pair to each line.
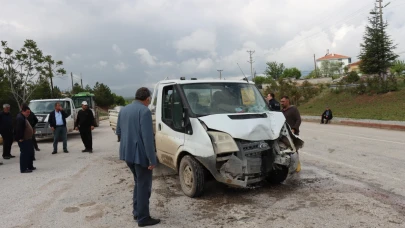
191, 174
278, 175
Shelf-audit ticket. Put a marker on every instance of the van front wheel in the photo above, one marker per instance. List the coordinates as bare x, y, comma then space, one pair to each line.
191, 174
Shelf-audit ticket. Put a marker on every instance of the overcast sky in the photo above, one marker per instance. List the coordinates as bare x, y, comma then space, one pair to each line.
132, 43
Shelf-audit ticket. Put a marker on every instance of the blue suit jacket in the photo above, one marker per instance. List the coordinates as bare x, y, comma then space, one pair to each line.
134, 126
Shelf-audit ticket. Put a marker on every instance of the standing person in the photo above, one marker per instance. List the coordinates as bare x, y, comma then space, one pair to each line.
273, 103
134, 127
326, 115
6, 131
57, 121
23, 136
292, 115
33, 120
85, 124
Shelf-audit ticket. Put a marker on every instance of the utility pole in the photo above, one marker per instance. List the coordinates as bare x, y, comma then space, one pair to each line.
316, 71
71, 75
381, 12
251, 63
220, 74
81, 80
50, 77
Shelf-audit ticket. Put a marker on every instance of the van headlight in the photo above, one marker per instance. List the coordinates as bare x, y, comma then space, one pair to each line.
223, 142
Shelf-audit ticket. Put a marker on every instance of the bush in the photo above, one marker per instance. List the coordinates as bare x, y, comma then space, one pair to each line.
352, 77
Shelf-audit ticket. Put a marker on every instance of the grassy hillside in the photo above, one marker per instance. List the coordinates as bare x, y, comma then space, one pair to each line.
389, 106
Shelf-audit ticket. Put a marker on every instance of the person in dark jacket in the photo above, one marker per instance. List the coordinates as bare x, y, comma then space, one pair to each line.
23, 135
33, 120
292, 115
273, 103
6, 131
326, 115
57, 121
85, 124
137, 148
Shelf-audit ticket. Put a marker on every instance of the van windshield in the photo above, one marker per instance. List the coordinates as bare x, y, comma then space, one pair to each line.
46, 107
220, 98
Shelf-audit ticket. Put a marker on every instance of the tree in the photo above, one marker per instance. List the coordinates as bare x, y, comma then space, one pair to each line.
331, 68
274, 70
23, 69
259, 80
119, 100
314, 74
53, 69
377, 50
77, 88
291, 73
103, 95
88, 89
398, 67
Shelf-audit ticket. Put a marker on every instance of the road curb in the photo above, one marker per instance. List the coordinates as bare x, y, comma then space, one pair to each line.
360, 123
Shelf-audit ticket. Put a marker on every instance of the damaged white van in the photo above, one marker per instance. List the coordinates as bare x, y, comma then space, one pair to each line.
224, 128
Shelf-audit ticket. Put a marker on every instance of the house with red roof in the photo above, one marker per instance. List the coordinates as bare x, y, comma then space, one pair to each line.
346, 60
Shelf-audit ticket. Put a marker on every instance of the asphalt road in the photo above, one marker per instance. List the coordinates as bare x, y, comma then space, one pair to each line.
351, 177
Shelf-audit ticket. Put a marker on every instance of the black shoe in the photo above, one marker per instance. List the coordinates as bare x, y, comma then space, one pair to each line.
54, 152
135, 218
149, 222
12, 156
90, 150
34, 159
7, 157
27, 171
37, 149
65, 151
33, 168
85, 150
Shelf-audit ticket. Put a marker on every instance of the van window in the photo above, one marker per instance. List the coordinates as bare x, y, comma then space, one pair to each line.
172, 108
66, 107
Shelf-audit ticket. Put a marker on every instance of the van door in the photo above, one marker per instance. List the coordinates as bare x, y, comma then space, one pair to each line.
70, 120
169, 131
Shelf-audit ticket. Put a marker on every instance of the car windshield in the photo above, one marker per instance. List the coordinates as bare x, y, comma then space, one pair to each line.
45, 107
220, 98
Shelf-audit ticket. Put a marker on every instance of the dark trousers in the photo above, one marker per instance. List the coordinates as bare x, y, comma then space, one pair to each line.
85, 133
27, 155
7, 143
142, 190
327, 119
60, 132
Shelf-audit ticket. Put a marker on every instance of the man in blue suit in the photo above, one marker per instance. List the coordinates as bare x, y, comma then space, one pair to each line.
135, 131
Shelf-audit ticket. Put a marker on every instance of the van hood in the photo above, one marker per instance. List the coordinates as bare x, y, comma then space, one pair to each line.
247, 126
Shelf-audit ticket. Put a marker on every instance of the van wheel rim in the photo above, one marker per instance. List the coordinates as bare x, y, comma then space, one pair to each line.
188, 176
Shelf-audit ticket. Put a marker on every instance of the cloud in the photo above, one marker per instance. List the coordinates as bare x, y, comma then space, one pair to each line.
146, 57
189, 37
120, 66
200, 41
116, 49
100, 65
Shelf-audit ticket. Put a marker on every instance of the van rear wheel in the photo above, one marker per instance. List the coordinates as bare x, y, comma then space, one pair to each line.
191, 174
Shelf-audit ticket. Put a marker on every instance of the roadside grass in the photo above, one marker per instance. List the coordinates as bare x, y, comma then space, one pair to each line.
389, 106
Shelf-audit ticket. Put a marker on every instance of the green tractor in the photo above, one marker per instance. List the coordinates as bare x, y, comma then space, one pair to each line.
89, 97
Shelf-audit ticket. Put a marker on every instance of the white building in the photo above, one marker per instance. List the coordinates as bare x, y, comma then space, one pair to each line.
334, 58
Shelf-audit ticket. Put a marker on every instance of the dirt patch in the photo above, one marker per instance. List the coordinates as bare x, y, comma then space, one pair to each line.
88, 204
71, 209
